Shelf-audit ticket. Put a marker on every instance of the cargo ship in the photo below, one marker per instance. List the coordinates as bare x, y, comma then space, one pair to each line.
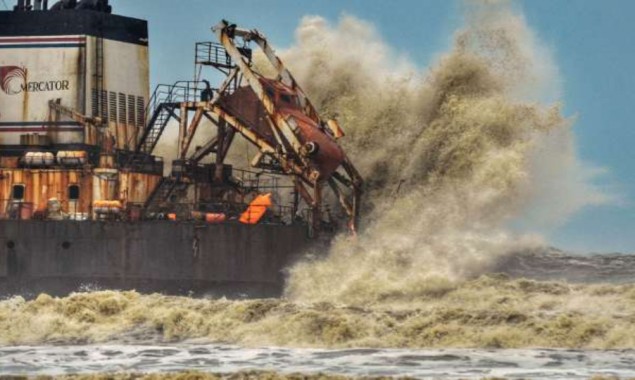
86, 200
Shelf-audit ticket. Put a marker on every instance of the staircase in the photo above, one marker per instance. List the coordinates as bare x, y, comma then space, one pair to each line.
155, 128
163, 105
161, 195
161, 110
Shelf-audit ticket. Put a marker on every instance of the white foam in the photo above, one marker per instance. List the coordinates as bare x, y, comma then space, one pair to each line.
444, 363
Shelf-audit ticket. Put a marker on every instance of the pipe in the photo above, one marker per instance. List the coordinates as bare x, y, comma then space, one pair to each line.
20, 6
46, 5
37, 5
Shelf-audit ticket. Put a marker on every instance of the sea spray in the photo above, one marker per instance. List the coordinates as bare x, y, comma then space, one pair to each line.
451, 156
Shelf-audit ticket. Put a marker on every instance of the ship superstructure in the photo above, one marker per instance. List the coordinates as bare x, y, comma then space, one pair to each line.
74, 87
84, 195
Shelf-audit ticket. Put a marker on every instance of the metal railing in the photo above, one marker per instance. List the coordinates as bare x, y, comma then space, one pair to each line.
195, 212
13, 209
161, 106
181, 91
262, 181
214, 54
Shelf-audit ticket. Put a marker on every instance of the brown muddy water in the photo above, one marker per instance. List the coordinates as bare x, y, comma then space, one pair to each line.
491, 326
491, 311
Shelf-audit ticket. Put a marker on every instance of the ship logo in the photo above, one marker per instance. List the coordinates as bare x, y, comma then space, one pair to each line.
12, 79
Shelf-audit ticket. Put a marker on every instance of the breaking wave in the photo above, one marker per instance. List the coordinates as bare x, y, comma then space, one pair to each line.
491, 311
453, 155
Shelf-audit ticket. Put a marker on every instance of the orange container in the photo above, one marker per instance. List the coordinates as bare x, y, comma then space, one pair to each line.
172, 216
256, 209
215, 218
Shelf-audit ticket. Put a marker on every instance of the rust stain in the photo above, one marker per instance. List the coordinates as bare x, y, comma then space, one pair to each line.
135, 188
25, 98
41, 185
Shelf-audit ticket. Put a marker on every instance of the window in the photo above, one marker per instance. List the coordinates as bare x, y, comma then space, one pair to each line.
73, 192
18, 192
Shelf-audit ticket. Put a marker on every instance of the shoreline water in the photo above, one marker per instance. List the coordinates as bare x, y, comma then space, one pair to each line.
208, 361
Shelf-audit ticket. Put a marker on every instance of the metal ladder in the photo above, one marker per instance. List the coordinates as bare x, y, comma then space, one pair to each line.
98, 78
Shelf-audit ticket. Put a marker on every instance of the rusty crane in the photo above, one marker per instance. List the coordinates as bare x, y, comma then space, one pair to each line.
271, 112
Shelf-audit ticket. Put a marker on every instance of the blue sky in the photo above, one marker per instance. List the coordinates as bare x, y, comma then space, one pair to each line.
591, 42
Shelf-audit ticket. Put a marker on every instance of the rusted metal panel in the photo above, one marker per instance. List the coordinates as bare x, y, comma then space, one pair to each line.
137, 187
105, 183
244, 104
42, 185
9, 162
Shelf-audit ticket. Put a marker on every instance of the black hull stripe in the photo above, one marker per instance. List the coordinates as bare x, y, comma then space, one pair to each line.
37, 123
66, 23
41, 46
43, 129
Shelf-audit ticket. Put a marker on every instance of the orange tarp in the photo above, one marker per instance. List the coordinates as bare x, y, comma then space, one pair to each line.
256, 209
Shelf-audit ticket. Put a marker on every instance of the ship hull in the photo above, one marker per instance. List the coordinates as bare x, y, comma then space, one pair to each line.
233, 260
